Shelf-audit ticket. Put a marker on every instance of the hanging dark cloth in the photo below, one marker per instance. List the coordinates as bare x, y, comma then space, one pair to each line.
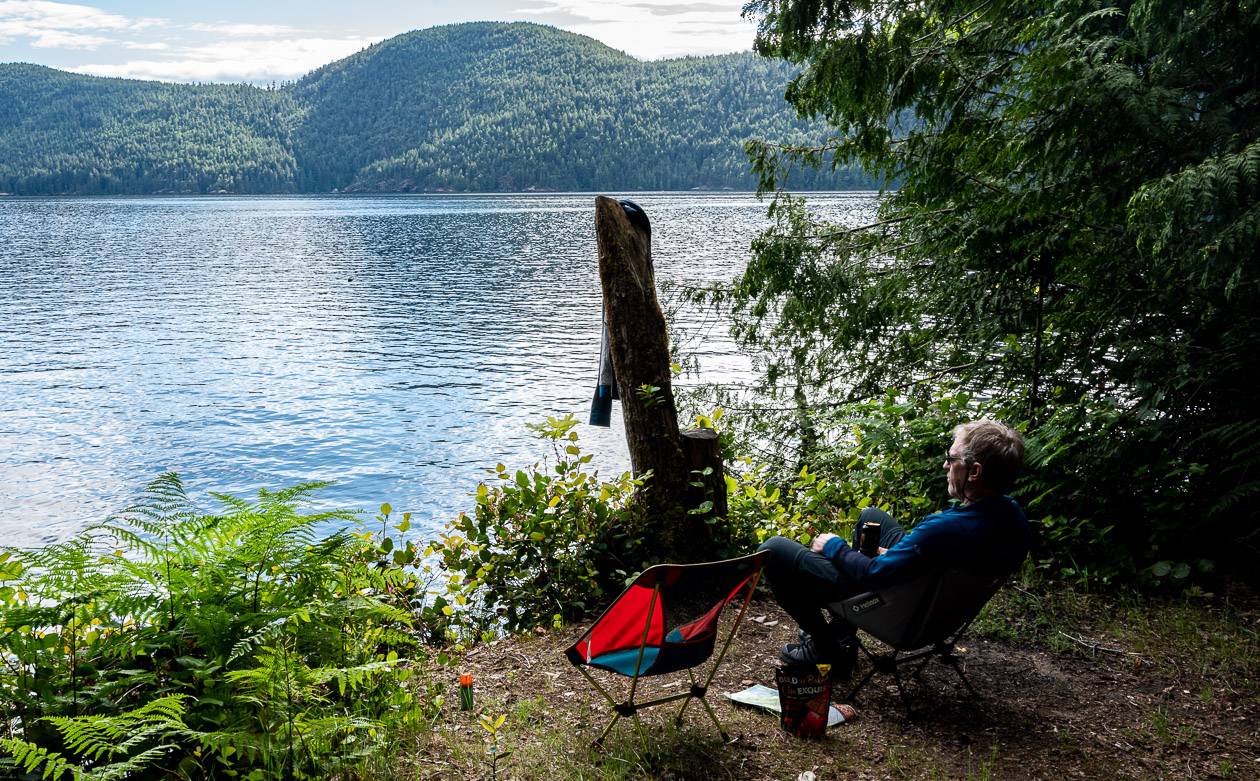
606, 386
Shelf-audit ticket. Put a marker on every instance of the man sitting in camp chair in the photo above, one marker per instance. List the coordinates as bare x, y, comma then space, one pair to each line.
985, 533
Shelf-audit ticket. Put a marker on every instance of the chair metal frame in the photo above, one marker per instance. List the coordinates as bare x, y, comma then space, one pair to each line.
629, 708
916, 647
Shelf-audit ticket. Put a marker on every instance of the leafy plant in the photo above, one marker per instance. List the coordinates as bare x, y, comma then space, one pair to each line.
648, 394
545, 545
883, 453
133, 737
763, 508
221, 645
497, 754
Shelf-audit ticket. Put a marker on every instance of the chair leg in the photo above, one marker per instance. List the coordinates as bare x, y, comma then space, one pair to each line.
873, 662
953, 662
709, 709
642, 733
600, 740
678, 717
611, 701
918, 671
717, 663
687, 701
870, 657
889, 665
901, 689
919, 660
850, 697
594, 683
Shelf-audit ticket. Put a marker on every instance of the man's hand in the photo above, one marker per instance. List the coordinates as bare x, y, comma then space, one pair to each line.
820, 541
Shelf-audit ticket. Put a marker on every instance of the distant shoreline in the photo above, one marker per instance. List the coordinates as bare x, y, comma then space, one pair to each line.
465, 194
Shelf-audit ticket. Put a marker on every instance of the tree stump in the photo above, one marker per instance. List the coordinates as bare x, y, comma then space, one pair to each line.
704, 452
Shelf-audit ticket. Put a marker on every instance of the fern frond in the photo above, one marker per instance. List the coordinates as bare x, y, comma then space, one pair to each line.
263, 636
350, 679
376, 610
248, 744
129, 767
29, 757
100, 736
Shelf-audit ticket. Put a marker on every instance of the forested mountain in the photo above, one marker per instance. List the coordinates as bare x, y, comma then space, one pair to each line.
468, 107
65, 133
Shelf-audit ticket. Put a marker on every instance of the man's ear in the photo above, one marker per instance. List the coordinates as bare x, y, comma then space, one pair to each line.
976, 473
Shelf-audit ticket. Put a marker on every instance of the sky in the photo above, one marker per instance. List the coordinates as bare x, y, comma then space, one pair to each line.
276, 40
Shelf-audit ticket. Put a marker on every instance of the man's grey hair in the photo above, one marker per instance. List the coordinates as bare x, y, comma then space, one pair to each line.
998, 447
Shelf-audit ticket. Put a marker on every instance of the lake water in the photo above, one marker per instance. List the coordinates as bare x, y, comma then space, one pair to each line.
396, 345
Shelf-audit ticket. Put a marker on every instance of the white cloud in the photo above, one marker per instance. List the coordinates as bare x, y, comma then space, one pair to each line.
245, 30
49, 25
652, 28
236, 61
674, 9
224, 50
36, 15
206, 51
58, 39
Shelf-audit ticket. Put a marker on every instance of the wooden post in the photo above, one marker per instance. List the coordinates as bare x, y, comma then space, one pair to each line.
639, 345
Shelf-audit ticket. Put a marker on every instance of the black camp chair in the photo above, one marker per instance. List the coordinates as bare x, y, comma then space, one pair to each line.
920, 620
666, 621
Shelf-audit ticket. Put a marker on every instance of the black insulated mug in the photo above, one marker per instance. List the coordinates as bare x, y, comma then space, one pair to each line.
869, 544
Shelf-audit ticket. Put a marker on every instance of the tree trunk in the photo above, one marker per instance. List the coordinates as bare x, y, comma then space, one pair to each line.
640, 355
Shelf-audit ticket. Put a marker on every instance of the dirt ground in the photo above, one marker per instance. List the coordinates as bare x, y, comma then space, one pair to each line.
1083, 709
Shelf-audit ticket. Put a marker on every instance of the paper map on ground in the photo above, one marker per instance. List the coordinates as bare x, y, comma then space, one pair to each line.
768, 699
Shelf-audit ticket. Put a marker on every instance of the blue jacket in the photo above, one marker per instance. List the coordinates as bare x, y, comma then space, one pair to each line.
991, 536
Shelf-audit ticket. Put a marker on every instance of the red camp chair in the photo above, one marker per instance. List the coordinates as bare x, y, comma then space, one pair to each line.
664, 622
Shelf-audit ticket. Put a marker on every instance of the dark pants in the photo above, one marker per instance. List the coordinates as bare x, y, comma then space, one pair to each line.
805, 582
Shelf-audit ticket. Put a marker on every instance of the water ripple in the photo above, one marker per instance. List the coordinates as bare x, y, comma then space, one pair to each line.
396, 345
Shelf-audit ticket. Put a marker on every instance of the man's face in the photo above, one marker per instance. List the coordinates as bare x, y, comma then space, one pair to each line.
956, 471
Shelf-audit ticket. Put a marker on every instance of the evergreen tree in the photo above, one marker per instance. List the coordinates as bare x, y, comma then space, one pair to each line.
1075, 230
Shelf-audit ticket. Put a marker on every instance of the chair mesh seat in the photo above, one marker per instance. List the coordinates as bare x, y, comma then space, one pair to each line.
664, 622
919, 620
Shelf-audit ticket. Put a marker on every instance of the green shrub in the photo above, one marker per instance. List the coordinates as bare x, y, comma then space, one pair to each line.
240, 644
885, 453
889, 451
760, 508
1155, 532
544, 545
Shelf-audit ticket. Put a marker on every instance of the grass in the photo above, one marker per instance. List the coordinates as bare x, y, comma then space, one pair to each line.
985, 768
1207, 644
543, 746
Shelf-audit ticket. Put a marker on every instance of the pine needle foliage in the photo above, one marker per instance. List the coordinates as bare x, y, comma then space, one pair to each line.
171, 642
1072, 234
